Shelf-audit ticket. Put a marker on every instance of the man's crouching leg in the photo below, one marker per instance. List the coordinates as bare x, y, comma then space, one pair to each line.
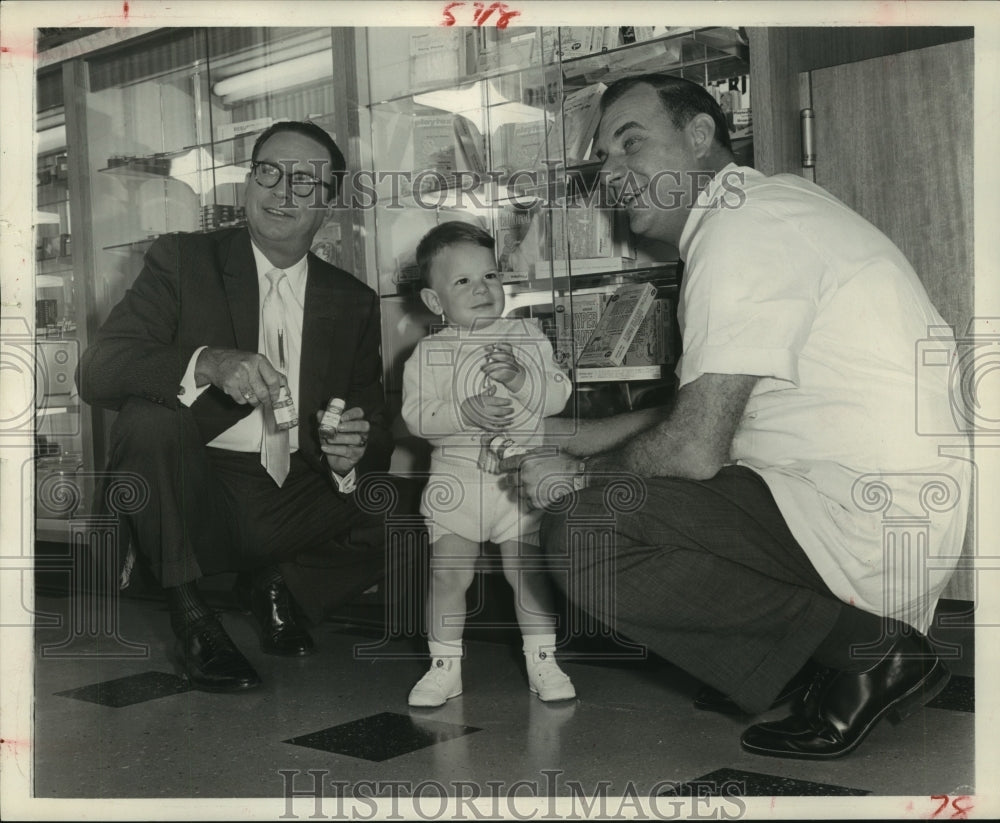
184, 526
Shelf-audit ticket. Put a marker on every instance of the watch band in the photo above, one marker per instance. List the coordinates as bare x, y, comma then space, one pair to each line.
580, 478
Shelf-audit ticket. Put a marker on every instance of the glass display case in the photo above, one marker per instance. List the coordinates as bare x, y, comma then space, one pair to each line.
61, 447
495, 127
161, 141
187, 106
483, 124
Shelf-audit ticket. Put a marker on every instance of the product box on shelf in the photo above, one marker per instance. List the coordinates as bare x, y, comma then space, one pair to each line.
517, 243
581, 114
585, 232
653, 342
471, 141
519, 146
618, 325
46, 313
575, 320
506, 48
576, 41
436, 55
434, 145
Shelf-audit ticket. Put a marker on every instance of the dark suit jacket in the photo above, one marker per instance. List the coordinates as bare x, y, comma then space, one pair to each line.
201, 290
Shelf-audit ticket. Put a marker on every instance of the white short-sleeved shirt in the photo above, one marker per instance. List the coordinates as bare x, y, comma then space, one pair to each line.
784, 282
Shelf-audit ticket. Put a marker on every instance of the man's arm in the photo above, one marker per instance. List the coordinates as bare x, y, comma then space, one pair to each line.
695, 440
589, 436
134, 352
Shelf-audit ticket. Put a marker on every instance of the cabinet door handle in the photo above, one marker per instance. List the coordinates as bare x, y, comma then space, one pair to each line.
808, 123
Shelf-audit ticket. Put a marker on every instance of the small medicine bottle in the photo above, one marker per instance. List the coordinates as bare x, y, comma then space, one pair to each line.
285, 416
330, 421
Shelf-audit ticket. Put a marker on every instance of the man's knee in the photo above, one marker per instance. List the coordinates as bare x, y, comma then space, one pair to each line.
148, 430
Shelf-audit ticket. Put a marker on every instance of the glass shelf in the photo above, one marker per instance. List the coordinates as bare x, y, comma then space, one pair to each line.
665, 276
403, 68
134, 245
702, 55
662, 275
619, 374
59, 407
53, 268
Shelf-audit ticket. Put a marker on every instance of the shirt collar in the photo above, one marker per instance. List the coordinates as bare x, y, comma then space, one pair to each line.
706, 196
296, 273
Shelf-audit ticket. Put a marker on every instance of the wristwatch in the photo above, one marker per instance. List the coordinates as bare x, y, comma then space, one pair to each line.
580, 478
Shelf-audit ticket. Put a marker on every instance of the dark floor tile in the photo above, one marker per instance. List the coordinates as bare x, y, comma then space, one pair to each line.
959, 695
127, 691
736, 782
382, 736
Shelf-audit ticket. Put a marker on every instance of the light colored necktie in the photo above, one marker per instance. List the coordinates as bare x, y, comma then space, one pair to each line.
274, 453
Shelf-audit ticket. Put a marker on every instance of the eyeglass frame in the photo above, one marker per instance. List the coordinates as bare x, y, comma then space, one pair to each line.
312, 182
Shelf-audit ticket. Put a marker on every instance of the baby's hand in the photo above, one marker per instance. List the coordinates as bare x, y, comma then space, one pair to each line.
503, 366
487, 411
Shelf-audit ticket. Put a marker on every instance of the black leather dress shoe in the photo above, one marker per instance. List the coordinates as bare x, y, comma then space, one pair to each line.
272, 606
211, 660
712, 700
841, 708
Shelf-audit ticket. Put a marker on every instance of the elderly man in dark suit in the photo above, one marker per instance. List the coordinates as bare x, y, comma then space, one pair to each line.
198, 356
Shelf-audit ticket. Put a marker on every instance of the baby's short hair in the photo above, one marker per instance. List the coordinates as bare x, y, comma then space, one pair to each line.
445, 235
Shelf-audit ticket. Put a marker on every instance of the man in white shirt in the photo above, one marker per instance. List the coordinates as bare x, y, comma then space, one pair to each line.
194, 358
761, 546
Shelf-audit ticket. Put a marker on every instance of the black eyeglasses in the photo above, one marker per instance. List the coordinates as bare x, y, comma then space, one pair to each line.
269, 175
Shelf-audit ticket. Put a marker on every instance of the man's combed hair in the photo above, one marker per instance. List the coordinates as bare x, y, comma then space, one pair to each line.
338, 165
445, 235
681, 99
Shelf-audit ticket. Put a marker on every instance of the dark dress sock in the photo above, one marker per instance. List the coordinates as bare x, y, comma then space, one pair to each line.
186, 606
853, 631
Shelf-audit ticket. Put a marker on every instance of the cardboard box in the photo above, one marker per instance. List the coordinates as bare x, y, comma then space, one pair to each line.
618, 325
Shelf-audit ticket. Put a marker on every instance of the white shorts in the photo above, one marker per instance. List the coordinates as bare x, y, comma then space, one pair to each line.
476, 506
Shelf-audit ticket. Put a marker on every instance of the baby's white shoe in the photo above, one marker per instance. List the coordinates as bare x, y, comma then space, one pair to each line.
545, 677
441, 683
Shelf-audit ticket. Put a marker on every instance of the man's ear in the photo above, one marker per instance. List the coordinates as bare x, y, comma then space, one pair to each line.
430, 298
701, 134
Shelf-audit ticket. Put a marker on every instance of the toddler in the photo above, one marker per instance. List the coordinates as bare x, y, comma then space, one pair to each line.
482, 374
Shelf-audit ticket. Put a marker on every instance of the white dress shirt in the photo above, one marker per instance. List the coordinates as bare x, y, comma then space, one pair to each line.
247, 434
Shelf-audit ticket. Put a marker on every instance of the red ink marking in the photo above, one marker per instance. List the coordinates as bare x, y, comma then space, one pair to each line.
125, 9
505, 17
481, 13
480, 16
4, 49
449, 18
961, 812
944, 802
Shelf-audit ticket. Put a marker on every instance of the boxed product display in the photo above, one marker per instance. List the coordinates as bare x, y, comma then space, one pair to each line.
618, 325
587, 231
575, 320
516, 236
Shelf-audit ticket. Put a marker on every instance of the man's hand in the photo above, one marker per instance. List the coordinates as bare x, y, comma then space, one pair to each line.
487, 411
541, 479
503, 366
247, 377
346, 448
